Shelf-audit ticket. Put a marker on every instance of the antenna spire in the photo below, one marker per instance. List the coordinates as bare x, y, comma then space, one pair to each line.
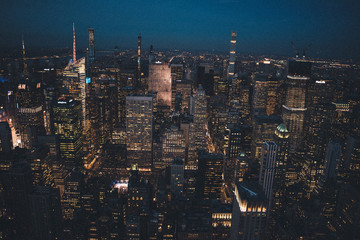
74, 45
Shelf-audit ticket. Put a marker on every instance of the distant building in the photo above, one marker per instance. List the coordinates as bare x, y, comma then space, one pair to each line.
232, 59
91, 45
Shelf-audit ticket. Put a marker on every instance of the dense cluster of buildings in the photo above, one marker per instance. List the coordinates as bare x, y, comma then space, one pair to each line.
176, 145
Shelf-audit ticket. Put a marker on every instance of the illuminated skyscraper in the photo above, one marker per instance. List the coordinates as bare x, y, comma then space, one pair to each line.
139, 59
293, 114
259, 95
74, 86
198, 126
173, 145
30, 115
74, 189
24, 58
139, 129
263, 130
91, 45
160, 82
281, 139
68, 126
176, 75
267, 168
209, 177
74, 45
249, 212
231, 70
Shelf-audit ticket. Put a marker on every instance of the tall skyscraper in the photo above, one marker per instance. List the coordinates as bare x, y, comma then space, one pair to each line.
293, 114
209, 177
5, 137
139, 59
351, 165
176, 75
68, 126
91, 45
18, 186
267, 168
74, 86
231, 70
25, 72
263, 130
177, 177
160, 82
74, 189
139, 129
332, 161
74, 44
259, 95
29, 106
151, 54
45, 211
197, 133
249, 212
173, 145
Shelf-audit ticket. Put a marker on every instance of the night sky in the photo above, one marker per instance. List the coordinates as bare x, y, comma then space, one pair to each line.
332, 27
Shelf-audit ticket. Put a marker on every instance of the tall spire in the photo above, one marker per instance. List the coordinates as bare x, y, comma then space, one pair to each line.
23, 53
74, 45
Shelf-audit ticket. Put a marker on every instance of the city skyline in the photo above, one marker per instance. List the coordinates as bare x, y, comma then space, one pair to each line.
263, 28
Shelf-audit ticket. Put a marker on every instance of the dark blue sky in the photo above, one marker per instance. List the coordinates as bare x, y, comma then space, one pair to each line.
267, 26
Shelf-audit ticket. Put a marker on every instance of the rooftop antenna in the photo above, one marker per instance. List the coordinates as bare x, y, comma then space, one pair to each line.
296, 48
305, 49
74, 45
